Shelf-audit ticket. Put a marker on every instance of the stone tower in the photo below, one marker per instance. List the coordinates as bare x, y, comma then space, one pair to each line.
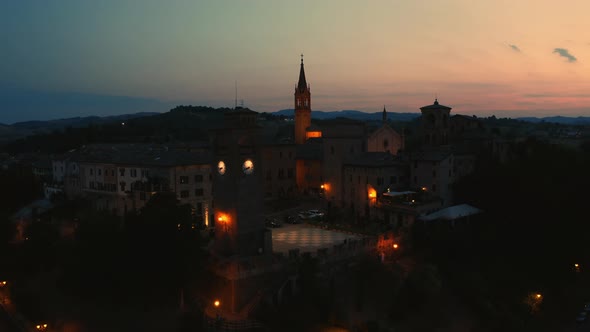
239, 226
243, 245
435, 124
302, 106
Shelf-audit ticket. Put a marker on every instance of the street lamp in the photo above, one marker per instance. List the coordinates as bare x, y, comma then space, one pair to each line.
395, 246
41, 327
216, 303
538, 296
2, 283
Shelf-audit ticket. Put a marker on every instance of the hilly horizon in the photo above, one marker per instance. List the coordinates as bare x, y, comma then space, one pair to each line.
82, 121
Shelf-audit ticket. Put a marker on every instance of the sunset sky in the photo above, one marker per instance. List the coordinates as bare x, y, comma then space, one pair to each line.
81, 57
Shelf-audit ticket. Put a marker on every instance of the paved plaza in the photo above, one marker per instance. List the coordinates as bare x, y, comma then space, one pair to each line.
306, 238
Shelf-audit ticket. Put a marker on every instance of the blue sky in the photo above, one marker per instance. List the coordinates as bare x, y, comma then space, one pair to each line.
487, 57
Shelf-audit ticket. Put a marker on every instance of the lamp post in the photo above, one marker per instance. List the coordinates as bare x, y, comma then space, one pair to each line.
217, 305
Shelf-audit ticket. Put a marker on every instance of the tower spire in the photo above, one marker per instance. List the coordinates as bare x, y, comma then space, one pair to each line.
302, 107
302, 84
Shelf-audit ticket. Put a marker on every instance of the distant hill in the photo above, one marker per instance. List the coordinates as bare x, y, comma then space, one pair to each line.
353, 114
19, 104
580, 120
77, 122
27, 128
405, 117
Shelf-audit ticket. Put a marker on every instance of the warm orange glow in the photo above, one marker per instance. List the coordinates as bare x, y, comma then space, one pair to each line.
223, 220
538, 296
395, 246
424, 188
372, 193
216, 303
325, 186
576, 265
322, 186
313, 134
2, 283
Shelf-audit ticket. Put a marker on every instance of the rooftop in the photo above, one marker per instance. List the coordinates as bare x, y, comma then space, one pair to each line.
431, 155
137, 154
435, 106
373, 159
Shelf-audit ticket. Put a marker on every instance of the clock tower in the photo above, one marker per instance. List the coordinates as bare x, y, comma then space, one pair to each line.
237, 194
302, 106
242, 249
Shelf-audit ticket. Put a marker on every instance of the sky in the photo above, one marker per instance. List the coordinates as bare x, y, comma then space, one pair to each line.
503, 57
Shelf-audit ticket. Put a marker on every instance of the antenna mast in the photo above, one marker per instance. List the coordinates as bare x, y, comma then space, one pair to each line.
236, 100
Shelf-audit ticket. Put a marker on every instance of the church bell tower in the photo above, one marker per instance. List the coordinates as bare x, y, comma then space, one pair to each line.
302, 106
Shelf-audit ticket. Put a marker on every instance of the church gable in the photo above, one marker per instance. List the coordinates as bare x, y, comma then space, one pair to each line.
385, 139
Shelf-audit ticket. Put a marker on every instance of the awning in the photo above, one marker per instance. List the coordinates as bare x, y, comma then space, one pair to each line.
452, 213
398, 193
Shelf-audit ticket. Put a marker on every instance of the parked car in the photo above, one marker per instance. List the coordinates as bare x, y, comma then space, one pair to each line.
291, 219
304, 215
272, 222
315, 213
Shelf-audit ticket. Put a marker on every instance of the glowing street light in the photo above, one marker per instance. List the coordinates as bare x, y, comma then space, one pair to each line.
538, 296
3, 283
395, 246
41, 327
216, 303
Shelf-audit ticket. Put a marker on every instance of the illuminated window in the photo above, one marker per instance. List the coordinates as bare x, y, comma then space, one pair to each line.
314, 134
